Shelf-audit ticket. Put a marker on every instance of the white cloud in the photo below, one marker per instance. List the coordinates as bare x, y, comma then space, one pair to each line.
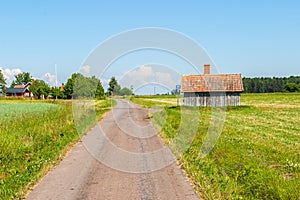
105, 81
85, 70
139, 76
50, 78
166, 79
9, 74
143, 75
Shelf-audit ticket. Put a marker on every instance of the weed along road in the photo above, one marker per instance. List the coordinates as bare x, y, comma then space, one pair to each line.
120, 158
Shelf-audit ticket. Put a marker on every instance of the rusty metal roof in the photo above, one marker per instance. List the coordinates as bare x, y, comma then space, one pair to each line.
212, 83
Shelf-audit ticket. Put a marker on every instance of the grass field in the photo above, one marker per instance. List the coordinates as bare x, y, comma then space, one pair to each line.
257, 155
34, 136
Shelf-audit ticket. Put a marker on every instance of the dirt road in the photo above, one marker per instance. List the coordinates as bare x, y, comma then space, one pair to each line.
120, 158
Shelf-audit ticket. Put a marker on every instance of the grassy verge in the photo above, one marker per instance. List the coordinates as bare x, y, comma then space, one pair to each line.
34, 136
257, 155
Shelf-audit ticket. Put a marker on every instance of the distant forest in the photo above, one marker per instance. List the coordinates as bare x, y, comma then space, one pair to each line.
266, 85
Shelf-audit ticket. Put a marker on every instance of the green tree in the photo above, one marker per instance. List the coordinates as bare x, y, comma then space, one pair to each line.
69, 87
275, 84
292, 87
79, 86
2, 83
99, 91
22, 78
39, 88
84, 87
56, 93
13, 84
125, 92
114, 88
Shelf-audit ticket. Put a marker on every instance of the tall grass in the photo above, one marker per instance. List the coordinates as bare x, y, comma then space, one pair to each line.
33, 138
257, 155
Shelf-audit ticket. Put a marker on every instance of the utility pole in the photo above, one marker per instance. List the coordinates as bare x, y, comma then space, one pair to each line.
55, 79
178, 87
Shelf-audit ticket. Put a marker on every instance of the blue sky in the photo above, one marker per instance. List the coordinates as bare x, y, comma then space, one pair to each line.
255, 38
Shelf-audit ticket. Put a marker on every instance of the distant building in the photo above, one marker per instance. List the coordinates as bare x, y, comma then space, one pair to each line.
19, 91
212, 89
62, 87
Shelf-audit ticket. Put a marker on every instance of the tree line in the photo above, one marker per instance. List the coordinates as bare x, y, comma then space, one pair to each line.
269, 85
77, 86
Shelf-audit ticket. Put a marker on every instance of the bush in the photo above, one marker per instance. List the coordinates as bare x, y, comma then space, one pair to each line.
292, 87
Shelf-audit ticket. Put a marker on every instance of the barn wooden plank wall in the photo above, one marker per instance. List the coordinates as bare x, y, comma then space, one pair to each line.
212, 99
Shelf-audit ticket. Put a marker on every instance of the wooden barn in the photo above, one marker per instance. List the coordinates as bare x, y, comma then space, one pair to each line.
212, 89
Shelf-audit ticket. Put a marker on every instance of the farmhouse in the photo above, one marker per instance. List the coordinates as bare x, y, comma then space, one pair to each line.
19, 91
212, 89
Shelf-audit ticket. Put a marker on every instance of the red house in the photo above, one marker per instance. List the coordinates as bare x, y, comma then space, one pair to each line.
19, 91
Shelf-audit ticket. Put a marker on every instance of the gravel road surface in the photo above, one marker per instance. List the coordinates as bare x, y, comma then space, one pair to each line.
120, 158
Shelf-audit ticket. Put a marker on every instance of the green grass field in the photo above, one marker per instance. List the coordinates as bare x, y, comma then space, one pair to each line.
34, 136
257, 155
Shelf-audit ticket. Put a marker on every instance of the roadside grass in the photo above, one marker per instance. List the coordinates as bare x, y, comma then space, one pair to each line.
150, 103
34, 137
155, 96
257, 155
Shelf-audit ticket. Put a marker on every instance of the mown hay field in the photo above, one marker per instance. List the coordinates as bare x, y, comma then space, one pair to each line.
257, 155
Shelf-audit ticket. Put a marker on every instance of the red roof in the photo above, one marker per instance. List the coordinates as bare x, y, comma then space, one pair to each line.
212, 83
22, 86
19, 86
